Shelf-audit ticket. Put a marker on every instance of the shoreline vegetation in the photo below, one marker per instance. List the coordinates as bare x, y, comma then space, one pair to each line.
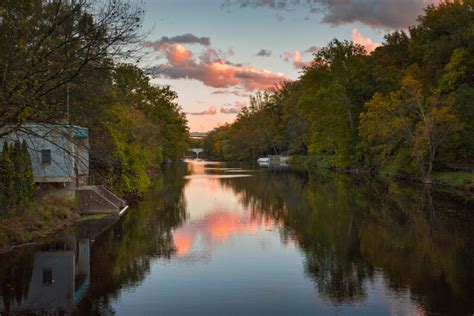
403, 110
460, 180
42, 218
76, 63
50, 215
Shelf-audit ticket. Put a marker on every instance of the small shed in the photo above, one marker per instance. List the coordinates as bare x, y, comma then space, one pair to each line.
59, 153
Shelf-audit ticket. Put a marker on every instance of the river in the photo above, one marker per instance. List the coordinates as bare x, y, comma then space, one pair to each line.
216, 239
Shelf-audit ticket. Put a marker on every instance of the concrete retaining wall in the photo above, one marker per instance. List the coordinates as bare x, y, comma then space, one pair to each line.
98, 200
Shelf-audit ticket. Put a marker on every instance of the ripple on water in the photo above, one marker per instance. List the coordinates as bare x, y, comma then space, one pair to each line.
216, 176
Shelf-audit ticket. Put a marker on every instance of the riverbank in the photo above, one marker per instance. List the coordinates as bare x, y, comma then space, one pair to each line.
44, 216
460, 180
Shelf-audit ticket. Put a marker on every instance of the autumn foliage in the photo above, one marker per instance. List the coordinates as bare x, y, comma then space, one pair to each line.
406, 108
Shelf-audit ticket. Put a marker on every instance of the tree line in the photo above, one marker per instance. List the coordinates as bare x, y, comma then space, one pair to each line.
406, 108
75, 63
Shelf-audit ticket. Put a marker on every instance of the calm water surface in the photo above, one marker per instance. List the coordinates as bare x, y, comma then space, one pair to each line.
213, 239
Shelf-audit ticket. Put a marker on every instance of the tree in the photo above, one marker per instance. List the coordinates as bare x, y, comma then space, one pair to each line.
6, 179
335, 89
459, 71
139, 127
45, 45
159, 104
420, 120
344, 60
16, 157
441, 30
16, 177
131, 135
28, 179
457, 84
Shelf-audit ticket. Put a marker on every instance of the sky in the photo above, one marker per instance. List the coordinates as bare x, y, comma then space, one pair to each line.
216, 53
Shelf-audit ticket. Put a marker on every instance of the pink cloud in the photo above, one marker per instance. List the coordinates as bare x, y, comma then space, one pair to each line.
177, 53
296, 57
367, 42
211, 111
239, 104
229, 110
212, 69
233, 108
183, 241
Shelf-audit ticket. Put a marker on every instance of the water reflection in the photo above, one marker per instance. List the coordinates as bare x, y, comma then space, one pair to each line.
258, 242
214, 218
354, 231
216, 227
56, 276
80, 270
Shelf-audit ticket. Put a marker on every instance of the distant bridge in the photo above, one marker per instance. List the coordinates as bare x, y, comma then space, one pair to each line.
197, 151
197, 135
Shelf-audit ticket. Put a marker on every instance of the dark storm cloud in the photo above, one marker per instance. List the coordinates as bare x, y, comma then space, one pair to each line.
264, 53
388, 14
180, 39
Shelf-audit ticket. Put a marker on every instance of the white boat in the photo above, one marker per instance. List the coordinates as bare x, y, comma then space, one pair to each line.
264, 161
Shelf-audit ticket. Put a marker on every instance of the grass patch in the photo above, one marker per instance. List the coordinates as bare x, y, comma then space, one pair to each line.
92, 217
459, 179
42, 217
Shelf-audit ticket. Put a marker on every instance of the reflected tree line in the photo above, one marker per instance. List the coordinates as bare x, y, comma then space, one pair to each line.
351, 228
120, 257
15, 277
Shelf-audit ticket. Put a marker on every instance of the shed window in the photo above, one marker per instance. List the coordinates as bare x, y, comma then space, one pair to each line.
47, 276
46, 157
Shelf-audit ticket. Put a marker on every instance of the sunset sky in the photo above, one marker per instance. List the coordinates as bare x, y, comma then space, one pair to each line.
215, 53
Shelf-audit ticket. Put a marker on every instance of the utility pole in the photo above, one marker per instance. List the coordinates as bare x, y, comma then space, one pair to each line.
67, 103
71, 138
